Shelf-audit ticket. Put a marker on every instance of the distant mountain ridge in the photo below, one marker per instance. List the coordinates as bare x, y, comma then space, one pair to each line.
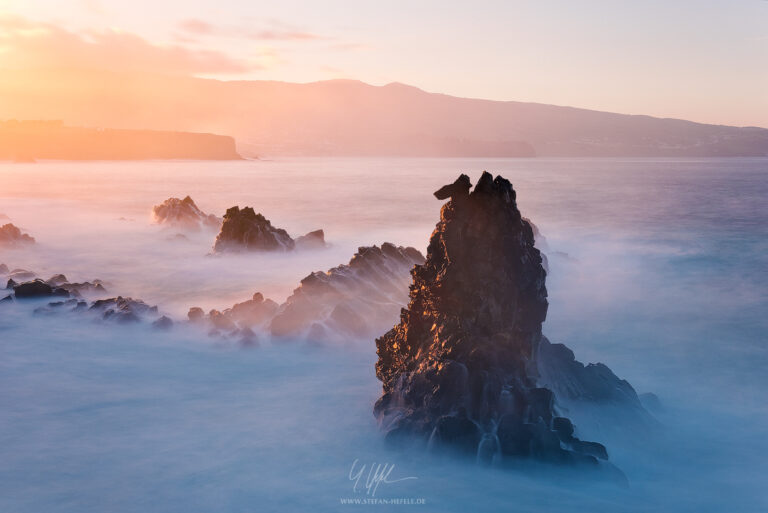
351, 118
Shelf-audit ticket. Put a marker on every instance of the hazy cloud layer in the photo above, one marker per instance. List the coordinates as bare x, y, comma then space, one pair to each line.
275, 31
26, 44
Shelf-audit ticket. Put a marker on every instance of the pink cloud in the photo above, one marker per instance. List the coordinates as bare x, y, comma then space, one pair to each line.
195, 26
26, 44
276, 32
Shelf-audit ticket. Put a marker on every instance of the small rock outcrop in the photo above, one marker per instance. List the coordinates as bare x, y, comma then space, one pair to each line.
245, 230
461, 371
123, 310
237, 322
312, 240
25, 284
37, 288
183, 213
11, 237
348, 302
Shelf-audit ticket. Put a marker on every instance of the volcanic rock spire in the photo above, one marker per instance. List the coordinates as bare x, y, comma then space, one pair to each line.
460, 368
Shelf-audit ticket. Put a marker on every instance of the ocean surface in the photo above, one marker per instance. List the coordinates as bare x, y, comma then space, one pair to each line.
658, 268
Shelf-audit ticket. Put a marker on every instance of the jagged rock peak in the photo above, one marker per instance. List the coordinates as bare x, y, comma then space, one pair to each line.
459, 369
244, 229
12, 236
183, 213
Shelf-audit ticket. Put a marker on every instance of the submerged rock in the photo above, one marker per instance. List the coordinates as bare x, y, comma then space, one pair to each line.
349, 301
312, 240
238, 321
163, 323
183, 213
462, 367
123, 309
19, 275
11, 236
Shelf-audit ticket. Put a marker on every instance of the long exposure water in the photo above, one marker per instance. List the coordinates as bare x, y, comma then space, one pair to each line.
658, 268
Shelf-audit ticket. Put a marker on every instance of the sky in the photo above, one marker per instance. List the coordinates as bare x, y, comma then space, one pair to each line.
701, 60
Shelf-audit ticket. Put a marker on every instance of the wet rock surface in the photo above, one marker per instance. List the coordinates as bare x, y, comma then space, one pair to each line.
461, 371
11, 236
119, 309
183, 213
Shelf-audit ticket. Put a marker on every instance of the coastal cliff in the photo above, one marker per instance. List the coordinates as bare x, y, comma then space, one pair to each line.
27, 141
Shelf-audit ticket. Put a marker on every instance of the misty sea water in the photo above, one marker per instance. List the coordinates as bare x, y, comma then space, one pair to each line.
658, 268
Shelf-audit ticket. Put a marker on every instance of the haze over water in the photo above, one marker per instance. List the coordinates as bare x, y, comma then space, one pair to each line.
658, 268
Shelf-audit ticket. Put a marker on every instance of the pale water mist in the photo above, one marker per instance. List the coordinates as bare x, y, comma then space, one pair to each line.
658, 268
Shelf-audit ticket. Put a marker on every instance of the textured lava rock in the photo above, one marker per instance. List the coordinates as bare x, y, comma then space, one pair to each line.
11, 236
122, 309
37, 288
351, 301
244, 229
460, 369
183, 213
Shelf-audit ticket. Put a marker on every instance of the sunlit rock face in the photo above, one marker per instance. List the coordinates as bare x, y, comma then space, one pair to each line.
350, 301
184, 214
245, 230
460, 369
11, 236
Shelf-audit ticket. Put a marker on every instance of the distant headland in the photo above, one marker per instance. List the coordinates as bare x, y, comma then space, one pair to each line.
28, 141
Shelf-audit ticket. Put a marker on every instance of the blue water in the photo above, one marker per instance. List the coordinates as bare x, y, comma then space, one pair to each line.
658, 268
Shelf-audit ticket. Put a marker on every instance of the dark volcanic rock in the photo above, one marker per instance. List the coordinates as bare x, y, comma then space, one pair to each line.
11, 236
123, 310
461, 368
183, 213
37, 288
246, 230
58, 284
459, 188
350, 301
